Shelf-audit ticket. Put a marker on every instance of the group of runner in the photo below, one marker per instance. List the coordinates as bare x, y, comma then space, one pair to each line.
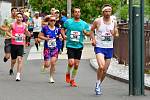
54, 31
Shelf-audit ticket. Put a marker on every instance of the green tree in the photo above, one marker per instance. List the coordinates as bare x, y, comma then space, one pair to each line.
123, 12
147, 9
45, 5
89, 8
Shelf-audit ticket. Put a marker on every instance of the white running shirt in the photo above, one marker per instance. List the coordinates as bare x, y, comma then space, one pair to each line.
104, 38
37, 24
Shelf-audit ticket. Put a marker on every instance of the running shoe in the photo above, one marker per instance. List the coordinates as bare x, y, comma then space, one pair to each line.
98, 89
18, 77
5, 59
68, 77
51, 80
73, 83
11, 72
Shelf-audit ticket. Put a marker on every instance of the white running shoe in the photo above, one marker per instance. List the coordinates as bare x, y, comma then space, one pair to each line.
18, 77
51, 80
98, 89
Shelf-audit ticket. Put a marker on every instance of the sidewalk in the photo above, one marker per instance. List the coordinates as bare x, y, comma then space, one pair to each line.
120, 72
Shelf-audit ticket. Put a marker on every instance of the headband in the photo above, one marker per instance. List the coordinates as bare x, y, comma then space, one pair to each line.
107, 7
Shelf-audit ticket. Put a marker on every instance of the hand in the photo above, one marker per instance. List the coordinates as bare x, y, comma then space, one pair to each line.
64, 37
86, 33
47, 38
93, 42
61, 38
13, 37
117, 34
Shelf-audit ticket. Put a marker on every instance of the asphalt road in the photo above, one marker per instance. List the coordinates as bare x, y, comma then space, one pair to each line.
34, 84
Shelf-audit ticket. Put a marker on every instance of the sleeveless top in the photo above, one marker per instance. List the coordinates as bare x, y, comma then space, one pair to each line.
104, 37
37, 24
18, 31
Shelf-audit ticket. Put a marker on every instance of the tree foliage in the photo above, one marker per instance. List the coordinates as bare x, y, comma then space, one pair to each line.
89, 8
147, 9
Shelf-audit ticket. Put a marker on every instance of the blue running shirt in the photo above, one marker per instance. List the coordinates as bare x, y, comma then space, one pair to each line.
52, 34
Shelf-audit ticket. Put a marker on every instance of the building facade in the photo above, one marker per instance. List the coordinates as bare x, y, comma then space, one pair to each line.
17, 3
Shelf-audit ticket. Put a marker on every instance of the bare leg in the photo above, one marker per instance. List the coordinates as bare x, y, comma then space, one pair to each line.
52, 68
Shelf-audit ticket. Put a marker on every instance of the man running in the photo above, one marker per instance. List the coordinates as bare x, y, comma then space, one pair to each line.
17, 34
106, 29
5, 27
7, 47
37, 26
76, 30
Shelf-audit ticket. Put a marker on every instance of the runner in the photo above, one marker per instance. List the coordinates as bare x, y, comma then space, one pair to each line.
49, 34
5, 27
106, 29
30, 29
58, 24
62, 20
17, 33
76, 30
52, 11
37, 21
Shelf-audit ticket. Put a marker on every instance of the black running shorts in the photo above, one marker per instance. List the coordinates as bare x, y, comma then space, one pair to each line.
16, 50
74, 53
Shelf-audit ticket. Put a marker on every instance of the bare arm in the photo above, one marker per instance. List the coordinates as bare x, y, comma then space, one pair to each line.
3, 28
26, 30
63, 31
41, 36
116, 30
93, 27
8, 32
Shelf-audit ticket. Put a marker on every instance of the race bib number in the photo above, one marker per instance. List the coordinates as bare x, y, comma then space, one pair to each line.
75, 36
19, 37
52, 43
106, 37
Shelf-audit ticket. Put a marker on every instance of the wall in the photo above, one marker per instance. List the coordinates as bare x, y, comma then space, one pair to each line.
5, 10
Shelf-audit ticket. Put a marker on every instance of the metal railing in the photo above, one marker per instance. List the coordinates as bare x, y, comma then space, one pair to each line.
121, 47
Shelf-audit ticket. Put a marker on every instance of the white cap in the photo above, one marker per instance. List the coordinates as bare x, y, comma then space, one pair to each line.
56, 11
36, 12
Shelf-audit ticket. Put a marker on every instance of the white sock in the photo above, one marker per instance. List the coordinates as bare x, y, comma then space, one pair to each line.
18, 74
98, 82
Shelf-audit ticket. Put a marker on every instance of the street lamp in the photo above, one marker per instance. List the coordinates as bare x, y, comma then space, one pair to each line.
136, 47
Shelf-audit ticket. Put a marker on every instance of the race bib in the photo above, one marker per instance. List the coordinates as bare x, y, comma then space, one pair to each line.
106, 37
75, 36
52, 43
19, 37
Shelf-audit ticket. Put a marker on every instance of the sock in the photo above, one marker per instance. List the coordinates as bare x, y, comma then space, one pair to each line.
69, 68
18, 74
74, 72
98, 82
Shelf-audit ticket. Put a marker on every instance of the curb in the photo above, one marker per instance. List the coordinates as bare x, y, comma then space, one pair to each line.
112, 76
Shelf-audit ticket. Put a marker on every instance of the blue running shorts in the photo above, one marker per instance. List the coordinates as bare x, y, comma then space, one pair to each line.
108, 52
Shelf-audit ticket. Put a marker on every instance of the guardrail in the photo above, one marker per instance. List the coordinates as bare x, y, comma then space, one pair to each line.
121, 47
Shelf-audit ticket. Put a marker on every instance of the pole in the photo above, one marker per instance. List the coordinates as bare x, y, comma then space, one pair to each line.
142, 41
130, 49
136, 53
69, 8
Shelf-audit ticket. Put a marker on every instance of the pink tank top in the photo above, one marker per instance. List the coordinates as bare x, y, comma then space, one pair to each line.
18, 31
